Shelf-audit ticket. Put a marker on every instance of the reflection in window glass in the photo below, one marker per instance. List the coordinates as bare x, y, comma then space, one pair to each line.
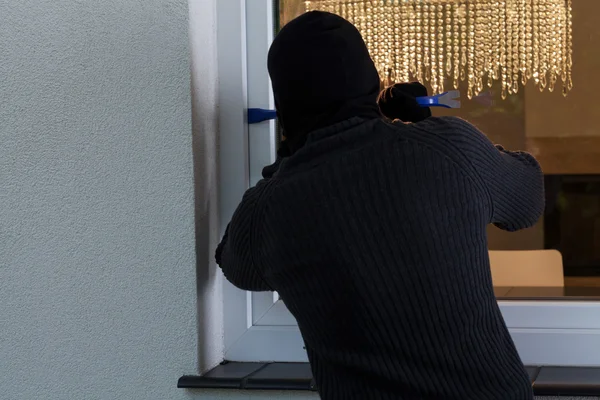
564, 134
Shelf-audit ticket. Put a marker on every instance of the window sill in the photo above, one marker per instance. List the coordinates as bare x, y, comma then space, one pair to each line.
546, 381
253, 376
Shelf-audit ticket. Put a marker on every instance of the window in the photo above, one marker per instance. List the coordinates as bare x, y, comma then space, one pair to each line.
258, 327
562, 132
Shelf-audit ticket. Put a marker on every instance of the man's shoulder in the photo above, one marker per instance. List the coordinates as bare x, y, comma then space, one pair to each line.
454, 139
439, 133
435, 125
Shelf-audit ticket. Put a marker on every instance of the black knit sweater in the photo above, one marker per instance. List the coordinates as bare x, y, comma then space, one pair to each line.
374, 235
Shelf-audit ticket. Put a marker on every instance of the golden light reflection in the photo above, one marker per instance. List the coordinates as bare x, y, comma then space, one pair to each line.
480, 41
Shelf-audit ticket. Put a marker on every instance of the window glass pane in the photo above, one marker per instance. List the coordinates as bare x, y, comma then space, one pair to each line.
562, 132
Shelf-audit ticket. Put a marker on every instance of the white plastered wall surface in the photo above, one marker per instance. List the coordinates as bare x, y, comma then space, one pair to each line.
97, 258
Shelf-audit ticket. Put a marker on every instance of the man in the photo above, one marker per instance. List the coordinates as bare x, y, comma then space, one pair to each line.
374, 233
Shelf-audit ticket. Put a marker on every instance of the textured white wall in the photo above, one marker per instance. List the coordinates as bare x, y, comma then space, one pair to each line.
97, 263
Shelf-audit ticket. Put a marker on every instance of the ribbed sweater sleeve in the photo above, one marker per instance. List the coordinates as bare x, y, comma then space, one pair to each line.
514, 180
234, 253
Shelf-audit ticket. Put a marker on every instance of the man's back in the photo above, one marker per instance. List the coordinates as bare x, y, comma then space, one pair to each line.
374, 235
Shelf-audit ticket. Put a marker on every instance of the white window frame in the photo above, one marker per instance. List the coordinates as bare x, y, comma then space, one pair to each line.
257, 326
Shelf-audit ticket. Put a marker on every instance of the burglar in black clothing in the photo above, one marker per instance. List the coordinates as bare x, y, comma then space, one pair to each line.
373, 230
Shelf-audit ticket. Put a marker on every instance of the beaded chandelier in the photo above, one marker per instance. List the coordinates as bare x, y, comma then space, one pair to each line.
443, 42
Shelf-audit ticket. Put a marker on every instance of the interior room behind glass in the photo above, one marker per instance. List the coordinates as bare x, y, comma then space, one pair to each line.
563, 133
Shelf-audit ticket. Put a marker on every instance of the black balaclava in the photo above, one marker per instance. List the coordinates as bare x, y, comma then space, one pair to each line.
322, 74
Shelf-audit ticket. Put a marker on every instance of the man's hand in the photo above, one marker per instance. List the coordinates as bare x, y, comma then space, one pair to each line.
399, 102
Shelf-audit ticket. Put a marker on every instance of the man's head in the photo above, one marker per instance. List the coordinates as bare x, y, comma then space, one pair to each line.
322, 74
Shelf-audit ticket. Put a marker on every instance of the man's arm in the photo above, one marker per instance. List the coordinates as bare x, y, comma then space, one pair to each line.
513, 180
234, 253
519, 200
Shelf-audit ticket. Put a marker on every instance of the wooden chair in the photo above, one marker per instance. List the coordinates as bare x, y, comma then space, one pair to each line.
534, 268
